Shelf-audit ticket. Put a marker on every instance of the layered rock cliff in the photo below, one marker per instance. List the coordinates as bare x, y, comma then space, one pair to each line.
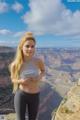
62, 71
69, 109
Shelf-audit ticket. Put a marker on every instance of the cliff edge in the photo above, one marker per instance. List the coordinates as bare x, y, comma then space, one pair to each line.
69, 108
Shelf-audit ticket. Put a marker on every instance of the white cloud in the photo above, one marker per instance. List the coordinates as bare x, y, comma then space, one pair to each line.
11, 33
51, 16
3, 7
8, 43
12, 38
5, 32
19, 34
17, 7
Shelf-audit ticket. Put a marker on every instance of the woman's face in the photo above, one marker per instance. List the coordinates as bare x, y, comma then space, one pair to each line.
28, 48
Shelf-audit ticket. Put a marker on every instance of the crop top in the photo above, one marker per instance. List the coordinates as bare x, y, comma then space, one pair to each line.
28, 70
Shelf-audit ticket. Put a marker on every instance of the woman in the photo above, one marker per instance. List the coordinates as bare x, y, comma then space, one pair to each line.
26, 73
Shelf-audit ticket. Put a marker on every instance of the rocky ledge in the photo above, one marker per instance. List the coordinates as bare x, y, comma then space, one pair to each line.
69, 108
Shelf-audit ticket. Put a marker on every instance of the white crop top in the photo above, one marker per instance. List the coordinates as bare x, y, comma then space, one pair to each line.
28, 70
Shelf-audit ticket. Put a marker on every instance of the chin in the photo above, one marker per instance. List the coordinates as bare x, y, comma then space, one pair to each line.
30, 55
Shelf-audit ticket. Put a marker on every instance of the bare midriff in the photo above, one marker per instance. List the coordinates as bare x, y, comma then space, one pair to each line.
32, 87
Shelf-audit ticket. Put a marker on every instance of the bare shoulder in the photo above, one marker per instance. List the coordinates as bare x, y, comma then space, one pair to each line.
39, 60
12, 65
40, 63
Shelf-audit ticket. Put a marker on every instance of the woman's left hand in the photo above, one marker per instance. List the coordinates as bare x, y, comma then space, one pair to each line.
35, 78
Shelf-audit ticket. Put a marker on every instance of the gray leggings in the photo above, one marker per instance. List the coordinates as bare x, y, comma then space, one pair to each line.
23, 99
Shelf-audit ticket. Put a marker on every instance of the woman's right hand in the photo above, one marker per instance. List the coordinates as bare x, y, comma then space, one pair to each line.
24, 82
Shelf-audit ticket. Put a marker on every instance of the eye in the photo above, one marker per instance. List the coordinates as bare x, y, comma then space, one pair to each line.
32, 46
27, 46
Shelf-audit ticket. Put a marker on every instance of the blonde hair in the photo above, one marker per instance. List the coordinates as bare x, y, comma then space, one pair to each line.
18, 60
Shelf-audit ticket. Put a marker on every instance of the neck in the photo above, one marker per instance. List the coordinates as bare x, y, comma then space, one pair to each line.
27, 59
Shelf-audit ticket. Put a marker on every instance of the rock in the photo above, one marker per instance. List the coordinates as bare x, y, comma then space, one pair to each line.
69, 108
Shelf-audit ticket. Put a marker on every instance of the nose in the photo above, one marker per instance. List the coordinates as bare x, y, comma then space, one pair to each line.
30, 48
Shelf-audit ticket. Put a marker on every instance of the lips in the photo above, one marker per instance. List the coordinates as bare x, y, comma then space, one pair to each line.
30, 52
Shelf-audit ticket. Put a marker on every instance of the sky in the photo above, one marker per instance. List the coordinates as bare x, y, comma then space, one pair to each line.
54, 23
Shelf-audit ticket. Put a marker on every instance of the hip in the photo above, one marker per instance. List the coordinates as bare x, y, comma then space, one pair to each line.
29, 89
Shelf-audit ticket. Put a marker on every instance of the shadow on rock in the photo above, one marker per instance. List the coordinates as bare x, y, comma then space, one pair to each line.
49, 101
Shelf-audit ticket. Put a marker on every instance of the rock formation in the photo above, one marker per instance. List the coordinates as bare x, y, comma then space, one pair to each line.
69, 109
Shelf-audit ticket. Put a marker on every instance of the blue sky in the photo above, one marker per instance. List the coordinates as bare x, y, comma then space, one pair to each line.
55, 23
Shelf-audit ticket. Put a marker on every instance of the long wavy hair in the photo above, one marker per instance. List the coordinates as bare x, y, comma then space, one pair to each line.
15, 66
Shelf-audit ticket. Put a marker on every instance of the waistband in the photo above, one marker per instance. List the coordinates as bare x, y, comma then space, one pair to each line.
27, 93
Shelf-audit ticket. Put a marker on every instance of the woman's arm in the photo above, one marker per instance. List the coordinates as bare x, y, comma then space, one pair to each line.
42, 69
17, 81
20, 81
